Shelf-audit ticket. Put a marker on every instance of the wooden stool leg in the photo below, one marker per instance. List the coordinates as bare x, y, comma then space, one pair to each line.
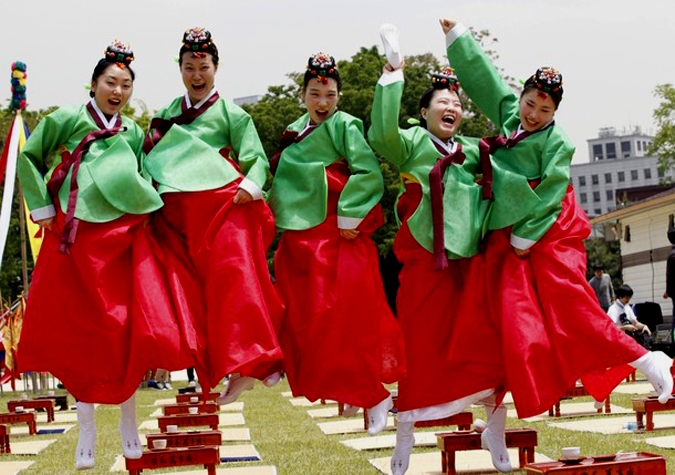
608, 407
521, 456
640, 423
450, 467
650, 421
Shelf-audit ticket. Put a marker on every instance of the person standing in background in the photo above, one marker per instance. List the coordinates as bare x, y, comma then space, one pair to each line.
602, 285
670, 270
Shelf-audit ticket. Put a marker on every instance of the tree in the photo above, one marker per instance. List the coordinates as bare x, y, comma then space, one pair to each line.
663, 144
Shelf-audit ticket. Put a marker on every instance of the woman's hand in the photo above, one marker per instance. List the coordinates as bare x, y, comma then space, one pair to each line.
242, 197
45, 223
447, 25
349, 234
389, 68
521, 252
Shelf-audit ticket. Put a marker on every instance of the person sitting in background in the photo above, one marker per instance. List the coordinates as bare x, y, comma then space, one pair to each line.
624, 318
602, 285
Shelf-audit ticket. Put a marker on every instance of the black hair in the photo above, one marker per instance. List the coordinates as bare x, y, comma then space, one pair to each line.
671, 235
624, 290
598, 266
309, 76
213, 52
556, 98
102, 66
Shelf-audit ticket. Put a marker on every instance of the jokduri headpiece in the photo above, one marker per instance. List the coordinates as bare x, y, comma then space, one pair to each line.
119, 53
321, 66
548, 80
198, 40
445, 79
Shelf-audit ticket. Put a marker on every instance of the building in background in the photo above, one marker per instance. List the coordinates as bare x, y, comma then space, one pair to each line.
619, 171
246, 100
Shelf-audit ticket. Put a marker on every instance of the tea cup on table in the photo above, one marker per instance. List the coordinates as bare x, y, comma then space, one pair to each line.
50, 393
194, 398
193, 410
24, 397
172, 428
18, 409
571, 452
159, 444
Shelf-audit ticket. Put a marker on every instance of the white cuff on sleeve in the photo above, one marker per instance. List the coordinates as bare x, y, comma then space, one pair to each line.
253, 189
348, 223
521, 243
43, 213
453, 34
390, 77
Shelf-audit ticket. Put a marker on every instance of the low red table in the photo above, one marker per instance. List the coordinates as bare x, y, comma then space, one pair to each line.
186, 439
578, 391
188, 420
212, 396
640, 463
155, 459
46, 404
184, 408
4, 440
19, 418
451, 442
650, 405
60, 400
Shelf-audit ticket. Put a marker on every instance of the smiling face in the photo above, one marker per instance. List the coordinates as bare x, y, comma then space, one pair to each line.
198, 74
112, 89
536, 109
444, 114
320, 99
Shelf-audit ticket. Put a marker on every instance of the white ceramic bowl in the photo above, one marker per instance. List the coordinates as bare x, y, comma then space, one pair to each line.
18, 409
172, 428
571, 452
193, 410
159, 444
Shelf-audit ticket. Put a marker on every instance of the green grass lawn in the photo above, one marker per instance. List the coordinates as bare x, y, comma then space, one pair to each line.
285, 436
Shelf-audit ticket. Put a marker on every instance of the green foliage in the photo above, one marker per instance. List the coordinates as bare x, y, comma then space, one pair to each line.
607, 253
663, 144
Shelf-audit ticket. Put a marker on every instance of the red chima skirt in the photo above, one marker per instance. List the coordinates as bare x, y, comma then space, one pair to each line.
100, 317
339, 337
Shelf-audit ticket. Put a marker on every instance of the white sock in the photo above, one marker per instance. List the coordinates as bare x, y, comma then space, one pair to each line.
131, 444
405, 440
656, 366
84, 453
377, 415
493, 437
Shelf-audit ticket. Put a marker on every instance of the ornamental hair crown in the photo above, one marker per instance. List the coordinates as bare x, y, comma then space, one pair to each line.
119, 52
547, 79
322, 66
445, 79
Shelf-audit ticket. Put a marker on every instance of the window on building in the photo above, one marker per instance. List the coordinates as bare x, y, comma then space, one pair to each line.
644, 145
611, 150
626, 233
594, 179
597, 152
621, 176
625, 149
597, 211
639, 144
660, 173
596, 196
608, 178
610, 195
582, 197
633, 175
648, 173
582, 181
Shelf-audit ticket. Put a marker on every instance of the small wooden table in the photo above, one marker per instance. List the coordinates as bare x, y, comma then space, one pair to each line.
188, 420
4, 440
462, 420
155, 459
640, 463
212, 396
19, 418
184, 408
451, 442
46, 404
650, 405
578, 391
60, 400
187, 439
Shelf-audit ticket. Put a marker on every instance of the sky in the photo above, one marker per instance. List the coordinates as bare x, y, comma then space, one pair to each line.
612, 53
